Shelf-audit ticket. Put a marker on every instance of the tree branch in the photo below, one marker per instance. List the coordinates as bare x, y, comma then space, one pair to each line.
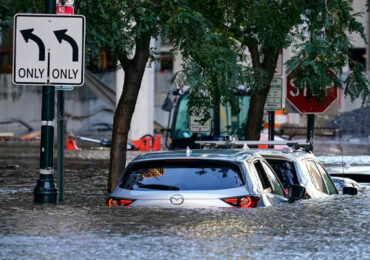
255, 55
269, 63
124, 60
142, 53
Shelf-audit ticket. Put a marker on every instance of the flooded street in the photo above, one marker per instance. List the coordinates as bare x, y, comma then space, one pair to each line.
82, 227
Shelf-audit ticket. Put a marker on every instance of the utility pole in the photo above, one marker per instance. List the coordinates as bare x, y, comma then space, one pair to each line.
45, 190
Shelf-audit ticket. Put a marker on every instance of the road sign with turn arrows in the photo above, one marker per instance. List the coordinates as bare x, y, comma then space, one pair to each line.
49, 50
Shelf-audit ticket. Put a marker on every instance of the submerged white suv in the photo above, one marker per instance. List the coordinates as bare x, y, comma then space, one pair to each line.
201, 178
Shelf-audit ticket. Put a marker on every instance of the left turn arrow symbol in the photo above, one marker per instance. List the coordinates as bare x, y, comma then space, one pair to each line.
61, 35
27, 34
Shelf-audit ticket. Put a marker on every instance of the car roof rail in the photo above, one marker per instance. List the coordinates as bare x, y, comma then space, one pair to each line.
294, 144
221, 144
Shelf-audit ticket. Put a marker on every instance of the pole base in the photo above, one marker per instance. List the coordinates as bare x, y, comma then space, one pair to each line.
45, 191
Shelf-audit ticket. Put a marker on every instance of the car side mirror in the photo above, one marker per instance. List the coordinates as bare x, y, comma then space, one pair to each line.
296, 192
350, 191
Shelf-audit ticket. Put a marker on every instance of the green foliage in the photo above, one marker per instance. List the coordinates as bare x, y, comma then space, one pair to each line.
357, 85
252, 32
119, 26
255, 30
211, 70
8, 8
329, 23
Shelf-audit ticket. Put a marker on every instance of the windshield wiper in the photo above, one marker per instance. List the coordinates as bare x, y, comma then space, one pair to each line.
157, 186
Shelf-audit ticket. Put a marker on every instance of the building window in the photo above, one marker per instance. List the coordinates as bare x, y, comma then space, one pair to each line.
166, 62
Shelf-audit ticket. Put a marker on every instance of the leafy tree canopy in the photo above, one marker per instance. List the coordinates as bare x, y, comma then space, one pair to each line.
317, 30
329, 24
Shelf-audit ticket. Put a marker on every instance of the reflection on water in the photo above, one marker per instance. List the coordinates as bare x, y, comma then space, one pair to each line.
82, 227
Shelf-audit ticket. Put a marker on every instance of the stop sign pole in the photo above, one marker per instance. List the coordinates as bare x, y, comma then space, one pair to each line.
311, 129
45, 190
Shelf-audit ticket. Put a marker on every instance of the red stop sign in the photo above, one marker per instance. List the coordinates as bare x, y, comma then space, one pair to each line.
310, 106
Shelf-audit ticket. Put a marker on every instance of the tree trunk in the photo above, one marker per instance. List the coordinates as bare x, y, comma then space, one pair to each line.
258, 99
134, 71
255, 114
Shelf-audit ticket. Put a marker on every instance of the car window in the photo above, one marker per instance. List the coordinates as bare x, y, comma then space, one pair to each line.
182, 176
277, 187
328, 181
262, 175
285, 171
182, 119
316, 176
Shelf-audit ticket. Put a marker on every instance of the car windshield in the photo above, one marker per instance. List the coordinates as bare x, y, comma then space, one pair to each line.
185, 175
285, 171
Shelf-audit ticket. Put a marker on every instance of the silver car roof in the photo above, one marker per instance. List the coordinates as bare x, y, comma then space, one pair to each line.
205, 154
292, 155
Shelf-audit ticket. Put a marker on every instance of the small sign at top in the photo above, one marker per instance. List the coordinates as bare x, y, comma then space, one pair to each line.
65, 7
66, 10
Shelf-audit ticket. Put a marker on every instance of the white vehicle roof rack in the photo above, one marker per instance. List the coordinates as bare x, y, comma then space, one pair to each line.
295, 144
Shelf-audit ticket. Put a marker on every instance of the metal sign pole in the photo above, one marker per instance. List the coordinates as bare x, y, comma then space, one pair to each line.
45, 190
310, 128
271, 132
61, 122
60, 144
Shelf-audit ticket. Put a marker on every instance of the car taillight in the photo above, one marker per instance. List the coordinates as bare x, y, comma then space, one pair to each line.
118, 202
243, 202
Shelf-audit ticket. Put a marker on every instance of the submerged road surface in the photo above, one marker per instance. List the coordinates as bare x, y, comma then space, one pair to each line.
82, 227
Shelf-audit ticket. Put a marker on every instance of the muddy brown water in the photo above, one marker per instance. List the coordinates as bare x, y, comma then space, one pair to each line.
82, 227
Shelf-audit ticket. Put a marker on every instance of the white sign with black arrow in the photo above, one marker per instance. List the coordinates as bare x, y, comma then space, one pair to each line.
49, 49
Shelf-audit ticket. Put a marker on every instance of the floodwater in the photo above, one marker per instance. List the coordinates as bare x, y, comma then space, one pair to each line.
82, 227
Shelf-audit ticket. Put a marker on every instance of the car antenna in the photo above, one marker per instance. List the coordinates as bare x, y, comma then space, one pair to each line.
341, 149
188, 151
